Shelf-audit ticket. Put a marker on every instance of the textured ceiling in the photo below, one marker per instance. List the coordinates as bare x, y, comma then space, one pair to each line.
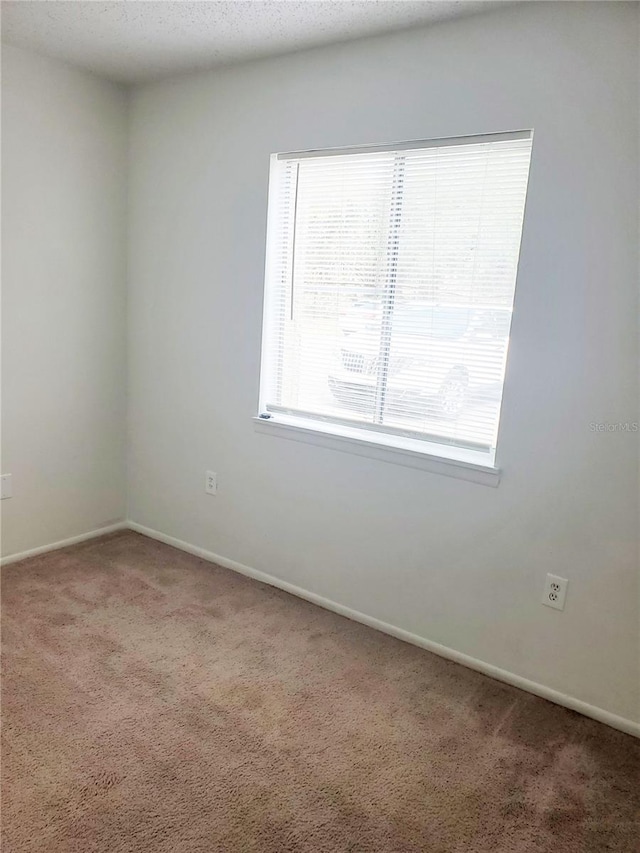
132, 41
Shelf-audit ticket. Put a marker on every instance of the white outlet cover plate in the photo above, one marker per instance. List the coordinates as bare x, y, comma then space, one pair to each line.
555, 592
211, 482
6, 488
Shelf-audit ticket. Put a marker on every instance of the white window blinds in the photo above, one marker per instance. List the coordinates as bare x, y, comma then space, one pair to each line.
390, 284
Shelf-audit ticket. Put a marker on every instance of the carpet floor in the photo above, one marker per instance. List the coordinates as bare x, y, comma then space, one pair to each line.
154, 703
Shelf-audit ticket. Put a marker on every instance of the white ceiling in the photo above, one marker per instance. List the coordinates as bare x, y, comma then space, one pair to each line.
135, 40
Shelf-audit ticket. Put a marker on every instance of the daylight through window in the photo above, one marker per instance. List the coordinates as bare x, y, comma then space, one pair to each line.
389, 289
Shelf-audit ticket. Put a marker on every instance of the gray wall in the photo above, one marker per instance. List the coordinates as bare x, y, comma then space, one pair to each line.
452, 561
64, 157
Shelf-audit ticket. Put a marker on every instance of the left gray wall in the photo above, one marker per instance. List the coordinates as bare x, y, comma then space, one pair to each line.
64, 151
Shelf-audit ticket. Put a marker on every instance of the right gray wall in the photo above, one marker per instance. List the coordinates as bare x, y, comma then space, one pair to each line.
451, 561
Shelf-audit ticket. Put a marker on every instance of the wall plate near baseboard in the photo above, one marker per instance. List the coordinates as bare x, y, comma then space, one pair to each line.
555, 592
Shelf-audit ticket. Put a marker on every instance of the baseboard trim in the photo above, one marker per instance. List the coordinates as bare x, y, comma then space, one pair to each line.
63, 543
599, 714
621, 723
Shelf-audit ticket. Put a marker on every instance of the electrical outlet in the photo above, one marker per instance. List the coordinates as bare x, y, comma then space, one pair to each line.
6, 488
555, 591
211, 482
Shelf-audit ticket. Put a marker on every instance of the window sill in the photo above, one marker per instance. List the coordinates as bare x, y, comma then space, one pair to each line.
471, 465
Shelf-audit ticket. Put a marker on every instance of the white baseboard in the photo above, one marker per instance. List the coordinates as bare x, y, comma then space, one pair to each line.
63, 543
621, 723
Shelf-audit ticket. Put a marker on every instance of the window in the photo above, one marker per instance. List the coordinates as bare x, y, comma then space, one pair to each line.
389, 289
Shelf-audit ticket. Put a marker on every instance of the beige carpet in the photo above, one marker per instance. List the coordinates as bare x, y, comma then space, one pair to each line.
155, 703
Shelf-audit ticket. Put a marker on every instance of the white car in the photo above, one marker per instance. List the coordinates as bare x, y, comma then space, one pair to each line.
438, 354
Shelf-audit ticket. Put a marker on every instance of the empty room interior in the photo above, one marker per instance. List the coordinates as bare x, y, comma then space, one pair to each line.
320, 438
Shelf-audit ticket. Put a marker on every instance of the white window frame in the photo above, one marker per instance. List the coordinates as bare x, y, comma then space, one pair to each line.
434, 456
